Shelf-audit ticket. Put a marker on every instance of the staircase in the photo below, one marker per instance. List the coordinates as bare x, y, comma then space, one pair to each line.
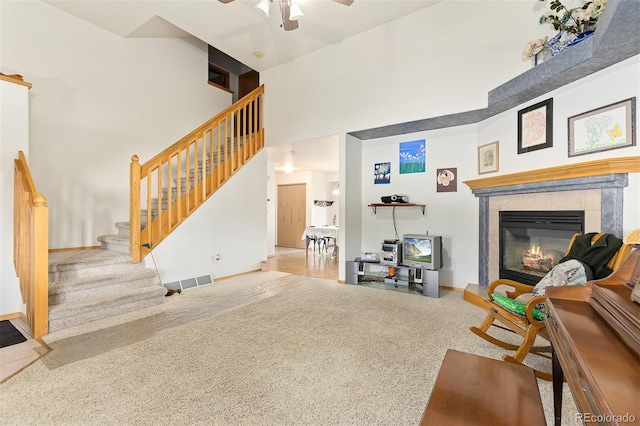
68, 288
90, 285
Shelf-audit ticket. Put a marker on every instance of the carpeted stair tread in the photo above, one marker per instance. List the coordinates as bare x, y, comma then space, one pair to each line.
118, 243
83, 311
88, 285
65, 260
98, 280
95, 262
96, 286
86, 305
123, 228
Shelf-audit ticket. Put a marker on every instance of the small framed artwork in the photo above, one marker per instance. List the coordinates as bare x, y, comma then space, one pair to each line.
488, 158
446, 180
412, 156
535, 127
608, 127
381, 173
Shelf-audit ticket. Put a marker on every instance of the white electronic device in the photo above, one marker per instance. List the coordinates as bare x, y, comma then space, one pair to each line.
369, 257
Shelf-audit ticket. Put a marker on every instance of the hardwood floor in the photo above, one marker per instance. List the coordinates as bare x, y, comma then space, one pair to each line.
16, 358
319, 264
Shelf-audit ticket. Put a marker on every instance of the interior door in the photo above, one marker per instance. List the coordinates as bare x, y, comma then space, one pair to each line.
292, 215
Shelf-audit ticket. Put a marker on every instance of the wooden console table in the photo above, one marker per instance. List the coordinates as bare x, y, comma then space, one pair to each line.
474, 390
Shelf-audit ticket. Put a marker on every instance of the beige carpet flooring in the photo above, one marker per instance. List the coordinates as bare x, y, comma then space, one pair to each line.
265, 348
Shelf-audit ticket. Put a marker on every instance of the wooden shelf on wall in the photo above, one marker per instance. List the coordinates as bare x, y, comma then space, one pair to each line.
374, 206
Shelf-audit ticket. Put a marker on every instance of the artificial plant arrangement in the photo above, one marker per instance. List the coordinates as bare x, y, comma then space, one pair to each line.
574, 20
573, 23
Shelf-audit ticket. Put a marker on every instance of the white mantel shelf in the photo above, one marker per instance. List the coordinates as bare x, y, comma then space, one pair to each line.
568, 171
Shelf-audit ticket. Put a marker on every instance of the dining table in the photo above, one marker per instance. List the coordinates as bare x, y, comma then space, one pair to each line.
321, 236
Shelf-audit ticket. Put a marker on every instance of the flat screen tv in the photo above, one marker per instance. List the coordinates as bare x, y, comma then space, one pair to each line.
422, 251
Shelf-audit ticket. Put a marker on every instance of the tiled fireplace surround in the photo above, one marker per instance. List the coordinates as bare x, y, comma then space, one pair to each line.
600, 196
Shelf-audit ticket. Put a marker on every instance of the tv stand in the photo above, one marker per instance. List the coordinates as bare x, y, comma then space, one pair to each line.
407, 278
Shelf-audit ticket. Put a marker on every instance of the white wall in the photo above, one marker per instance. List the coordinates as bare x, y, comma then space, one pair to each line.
14, 137
442, 59
96, 100
271, 209
453, 215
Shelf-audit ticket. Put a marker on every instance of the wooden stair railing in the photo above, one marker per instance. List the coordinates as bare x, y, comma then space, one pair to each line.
31, 247
198, 164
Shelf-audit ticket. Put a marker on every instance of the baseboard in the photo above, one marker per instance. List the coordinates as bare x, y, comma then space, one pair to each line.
476, 295
74, 249
10, 316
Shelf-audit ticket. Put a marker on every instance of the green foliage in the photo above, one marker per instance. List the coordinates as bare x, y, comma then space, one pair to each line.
574, 20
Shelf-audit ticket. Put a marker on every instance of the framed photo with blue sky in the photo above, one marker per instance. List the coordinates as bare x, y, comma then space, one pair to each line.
413, 156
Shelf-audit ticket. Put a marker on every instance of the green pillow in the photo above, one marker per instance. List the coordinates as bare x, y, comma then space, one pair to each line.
516, 306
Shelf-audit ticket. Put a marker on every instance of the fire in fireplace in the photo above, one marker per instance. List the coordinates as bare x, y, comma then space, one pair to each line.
532, 242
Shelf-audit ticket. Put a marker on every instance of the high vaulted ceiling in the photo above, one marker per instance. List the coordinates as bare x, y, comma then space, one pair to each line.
237, 28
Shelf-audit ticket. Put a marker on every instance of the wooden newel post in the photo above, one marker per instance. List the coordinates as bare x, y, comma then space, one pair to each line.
40, 306
134, 210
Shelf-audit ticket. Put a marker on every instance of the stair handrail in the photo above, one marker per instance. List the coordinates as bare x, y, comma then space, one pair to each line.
31, 247
199, 163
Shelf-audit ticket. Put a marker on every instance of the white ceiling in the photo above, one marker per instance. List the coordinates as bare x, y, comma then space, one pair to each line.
237, 28
318, 154
240, 31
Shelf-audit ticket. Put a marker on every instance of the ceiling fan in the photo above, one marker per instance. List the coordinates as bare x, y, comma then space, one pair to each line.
289, 9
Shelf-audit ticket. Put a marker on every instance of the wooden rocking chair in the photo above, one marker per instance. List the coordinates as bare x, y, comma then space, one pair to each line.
527, 325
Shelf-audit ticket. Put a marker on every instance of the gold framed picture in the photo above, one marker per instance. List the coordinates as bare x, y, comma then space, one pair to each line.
488, 158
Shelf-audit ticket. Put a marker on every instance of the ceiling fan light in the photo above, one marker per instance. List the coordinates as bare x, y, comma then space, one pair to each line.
295, 12
263, 7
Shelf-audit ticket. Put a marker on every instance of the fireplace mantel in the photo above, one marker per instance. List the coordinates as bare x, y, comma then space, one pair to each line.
608, 177
567, 171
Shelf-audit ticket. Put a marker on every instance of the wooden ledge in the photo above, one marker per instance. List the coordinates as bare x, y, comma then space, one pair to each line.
476, 295
12, 79
567, 171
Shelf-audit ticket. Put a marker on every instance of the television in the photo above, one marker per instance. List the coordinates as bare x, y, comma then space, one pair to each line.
422, 251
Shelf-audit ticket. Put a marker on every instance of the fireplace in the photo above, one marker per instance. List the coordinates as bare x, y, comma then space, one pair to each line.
597, 187
532, 242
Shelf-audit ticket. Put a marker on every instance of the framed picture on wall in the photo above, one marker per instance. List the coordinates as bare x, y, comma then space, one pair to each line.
609, 127
535, 127
381, 173
488, 157
446, 180
412, 157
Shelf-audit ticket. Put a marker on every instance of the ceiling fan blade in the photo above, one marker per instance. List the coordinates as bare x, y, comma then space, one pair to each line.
287, 24
225, 1
345, 2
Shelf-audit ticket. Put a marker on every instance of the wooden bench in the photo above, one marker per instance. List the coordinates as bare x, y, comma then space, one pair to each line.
474, 390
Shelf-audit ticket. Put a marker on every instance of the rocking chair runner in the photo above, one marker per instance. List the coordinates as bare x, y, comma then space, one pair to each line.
528, 325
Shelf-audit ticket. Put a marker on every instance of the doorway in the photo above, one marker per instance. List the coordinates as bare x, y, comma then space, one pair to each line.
291, 215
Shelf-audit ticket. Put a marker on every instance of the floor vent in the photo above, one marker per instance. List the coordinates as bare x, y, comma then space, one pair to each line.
189, 283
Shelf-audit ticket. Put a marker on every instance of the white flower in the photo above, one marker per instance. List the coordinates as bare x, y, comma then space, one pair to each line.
534, 47
593, 10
